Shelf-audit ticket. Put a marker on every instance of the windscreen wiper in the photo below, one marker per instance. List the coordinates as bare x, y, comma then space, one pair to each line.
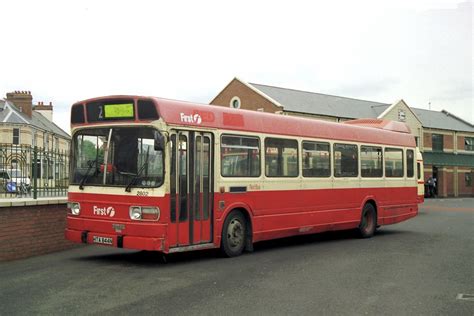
91, 164
139, 172
142, 167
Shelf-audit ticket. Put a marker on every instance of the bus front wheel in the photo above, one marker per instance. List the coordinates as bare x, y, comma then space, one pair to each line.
368, 221
233, 234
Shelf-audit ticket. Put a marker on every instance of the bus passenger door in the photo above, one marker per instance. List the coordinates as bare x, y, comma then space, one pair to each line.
191, 188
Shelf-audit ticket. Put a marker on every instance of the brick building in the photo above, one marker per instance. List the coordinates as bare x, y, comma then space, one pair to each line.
25, 126
447, 142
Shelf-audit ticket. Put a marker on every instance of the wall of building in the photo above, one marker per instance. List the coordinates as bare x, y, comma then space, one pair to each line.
452, 179
5, 134
410, 119
27, 231
465, 188
460, 143
448, 139
26, 137
249, 99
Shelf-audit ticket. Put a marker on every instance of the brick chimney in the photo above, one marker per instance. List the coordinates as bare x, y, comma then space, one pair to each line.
45, 109
22, 100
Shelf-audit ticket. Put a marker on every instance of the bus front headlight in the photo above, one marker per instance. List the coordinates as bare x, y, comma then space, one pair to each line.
135, 213
145, 213
74, 208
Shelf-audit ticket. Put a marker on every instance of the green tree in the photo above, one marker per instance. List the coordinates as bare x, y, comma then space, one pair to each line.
88, 151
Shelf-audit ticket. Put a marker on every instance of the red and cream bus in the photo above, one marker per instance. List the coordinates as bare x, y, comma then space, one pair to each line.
170, 176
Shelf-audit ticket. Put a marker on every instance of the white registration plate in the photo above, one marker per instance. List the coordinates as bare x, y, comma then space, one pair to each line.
102, 240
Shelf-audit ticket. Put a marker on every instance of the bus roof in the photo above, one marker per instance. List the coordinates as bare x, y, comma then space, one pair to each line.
202, 115
184, 113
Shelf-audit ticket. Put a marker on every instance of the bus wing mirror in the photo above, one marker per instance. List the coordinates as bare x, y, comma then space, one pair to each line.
159, 141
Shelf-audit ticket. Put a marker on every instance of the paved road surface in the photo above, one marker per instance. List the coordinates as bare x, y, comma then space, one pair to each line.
413, 268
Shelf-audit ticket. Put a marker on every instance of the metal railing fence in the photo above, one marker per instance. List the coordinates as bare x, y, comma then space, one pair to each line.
32, 172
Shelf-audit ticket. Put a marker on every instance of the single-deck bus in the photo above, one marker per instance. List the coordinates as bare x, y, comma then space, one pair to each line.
170, 176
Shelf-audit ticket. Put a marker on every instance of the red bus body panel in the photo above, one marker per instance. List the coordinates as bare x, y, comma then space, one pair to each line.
273, 214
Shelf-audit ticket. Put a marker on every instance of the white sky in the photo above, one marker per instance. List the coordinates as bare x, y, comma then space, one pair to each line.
65, 51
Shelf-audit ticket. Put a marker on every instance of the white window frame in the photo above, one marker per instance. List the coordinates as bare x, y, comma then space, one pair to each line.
19, 136
235, 98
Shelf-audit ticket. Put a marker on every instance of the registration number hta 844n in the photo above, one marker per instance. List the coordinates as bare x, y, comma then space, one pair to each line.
102, 240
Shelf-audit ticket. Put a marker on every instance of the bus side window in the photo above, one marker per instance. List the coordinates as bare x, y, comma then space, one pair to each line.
371, 161
316, 159
281, 157
410, 163
183, 189
173, 179
393, 163
240, 156
345, 160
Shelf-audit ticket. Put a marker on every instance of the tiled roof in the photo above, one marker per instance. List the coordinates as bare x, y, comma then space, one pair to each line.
323, 104
442, 120
330, 105
9, 113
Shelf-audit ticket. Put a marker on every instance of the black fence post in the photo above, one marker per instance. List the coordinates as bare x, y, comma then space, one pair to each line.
35, 173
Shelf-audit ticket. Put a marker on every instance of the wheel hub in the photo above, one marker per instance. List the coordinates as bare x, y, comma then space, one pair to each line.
235, 233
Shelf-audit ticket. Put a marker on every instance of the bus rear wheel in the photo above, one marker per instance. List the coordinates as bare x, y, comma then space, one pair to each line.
368, 221
233, 234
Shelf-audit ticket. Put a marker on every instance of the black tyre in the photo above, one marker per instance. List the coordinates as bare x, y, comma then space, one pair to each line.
368, 221
233, 234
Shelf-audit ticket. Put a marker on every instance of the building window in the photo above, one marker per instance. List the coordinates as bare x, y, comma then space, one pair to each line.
402, 117
346, 160
235, 103
281, 157
16, 136
56, 145
469, 143
240, 156
468, 179
316, 159
33, 139
371, 161
437, 142
45, 141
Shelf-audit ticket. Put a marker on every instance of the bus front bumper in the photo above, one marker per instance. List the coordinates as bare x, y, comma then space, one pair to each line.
115, 240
